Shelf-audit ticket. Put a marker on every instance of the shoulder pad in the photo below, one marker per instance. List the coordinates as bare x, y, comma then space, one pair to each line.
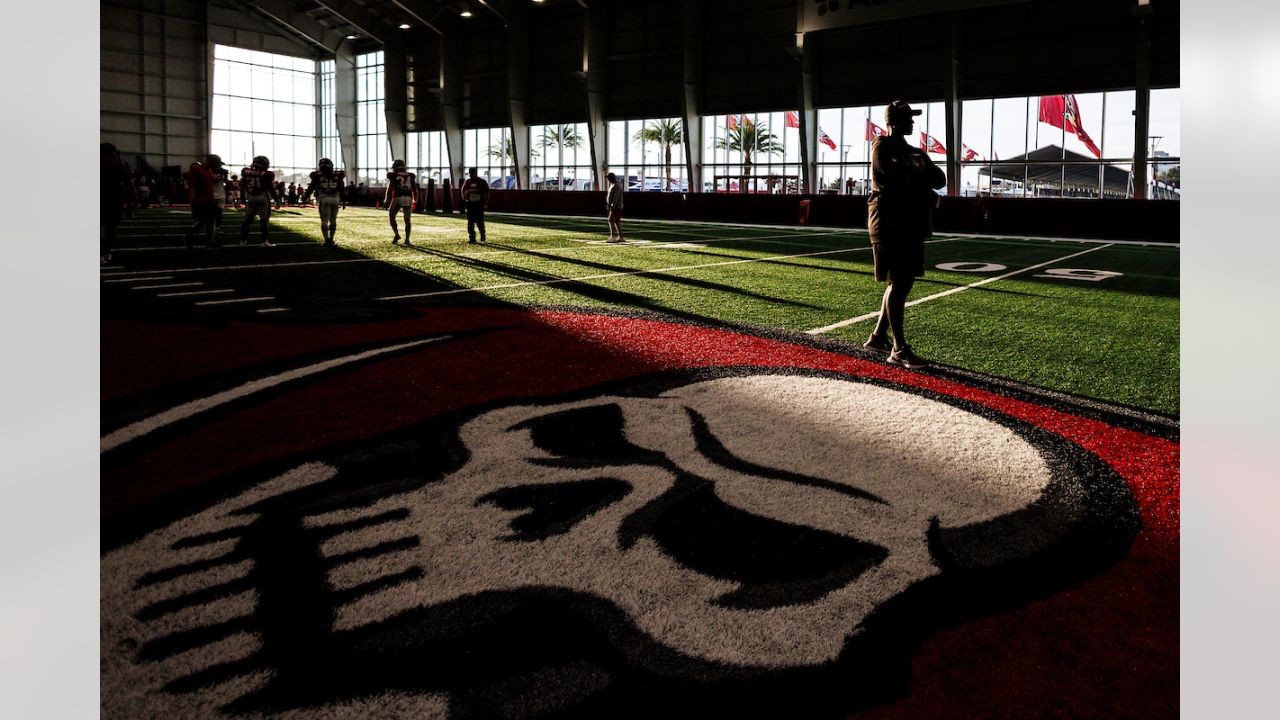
340, 174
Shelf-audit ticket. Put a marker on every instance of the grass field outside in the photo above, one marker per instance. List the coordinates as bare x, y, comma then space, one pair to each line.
1090, 318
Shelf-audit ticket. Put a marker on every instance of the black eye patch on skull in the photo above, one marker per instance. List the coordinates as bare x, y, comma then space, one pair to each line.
586, 437
777, 563
554, 508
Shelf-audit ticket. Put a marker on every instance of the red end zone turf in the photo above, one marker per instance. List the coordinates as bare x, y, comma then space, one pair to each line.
260, 606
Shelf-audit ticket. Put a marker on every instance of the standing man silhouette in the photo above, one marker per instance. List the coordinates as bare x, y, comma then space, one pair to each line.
613, 205
475, 195
899, 219
402, 185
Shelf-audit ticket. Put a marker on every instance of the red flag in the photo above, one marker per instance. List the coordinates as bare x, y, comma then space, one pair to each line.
825, 139
731, 122
793, 120
969, 153
1061, 111
931, 145
874, 131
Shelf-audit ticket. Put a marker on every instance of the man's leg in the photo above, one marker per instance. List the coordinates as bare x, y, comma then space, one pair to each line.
882, 322
471, 225
265, 223
480, 222
895, 304
407, 209
395, 228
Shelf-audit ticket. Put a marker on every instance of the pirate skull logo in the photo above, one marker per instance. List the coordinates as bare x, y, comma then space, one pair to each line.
753, 521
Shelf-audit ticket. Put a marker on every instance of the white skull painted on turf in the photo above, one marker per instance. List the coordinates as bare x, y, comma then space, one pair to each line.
876, 468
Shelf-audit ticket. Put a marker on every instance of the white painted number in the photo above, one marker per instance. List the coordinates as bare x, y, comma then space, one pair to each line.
1077, 274
972, 267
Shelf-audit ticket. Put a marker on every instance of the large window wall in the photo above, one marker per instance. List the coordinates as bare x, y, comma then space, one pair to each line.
373, 151
561, 157
752, 152
264, 104
330, 146
1070, 145
1164, 149
638, 152
489, 150
844, 164
428, 157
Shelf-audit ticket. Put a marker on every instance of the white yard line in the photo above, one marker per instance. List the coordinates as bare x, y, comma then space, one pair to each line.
166, 286
271, 310
135, 276
676, 268
192, 293
659, 221
952, 291
181, 412
236, 300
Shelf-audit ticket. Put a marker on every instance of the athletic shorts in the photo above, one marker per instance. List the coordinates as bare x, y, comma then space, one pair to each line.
897, 259
615, 215
398, 203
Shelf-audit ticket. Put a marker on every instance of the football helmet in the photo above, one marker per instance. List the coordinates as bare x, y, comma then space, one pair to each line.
213, 160
398, 166
261, 162
325, 165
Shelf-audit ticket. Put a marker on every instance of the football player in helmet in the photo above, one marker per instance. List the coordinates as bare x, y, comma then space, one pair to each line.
402, 186
328, 186
258, 184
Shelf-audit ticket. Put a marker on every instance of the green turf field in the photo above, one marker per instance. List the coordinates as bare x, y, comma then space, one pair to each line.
1114, 338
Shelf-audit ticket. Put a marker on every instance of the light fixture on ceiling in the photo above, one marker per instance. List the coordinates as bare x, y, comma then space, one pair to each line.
405, 26
352, 37
465, 13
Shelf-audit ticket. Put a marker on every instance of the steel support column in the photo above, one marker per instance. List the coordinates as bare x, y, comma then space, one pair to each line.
1142, 103
595, 71
451, 102
953, 106
519, 58
692, 96
808, 115
344, 95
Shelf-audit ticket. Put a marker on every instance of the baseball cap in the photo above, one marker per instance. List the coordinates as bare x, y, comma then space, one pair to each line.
899, 109
213, 160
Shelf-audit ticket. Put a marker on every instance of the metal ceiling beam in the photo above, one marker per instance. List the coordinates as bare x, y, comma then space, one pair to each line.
301, 24
356, 15
427, 12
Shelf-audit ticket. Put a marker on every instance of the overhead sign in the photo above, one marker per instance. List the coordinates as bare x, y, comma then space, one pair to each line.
824, 14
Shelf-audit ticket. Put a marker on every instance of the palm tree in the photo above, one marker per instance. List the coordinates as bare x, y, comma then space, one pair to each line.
666, 133
503, 151
747, 137
560, 136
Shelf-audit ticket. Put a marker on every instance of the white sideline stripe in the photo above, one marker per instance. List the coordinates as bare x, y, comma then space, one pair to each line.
677, 268
269, 310
135, 276
191, 293
168, 417
247, 267
235, 300
164, 285
952, 291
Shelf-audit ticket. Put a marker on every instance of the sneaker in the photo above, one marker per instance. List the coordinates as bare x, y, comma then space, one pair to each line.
268, 243
471, 242
617, 240
878, 342
406, 241
907, 359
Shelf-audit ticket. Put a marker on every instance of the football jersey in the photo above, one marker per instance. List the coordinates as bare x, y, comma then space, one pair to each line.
402, 184
327, 187
257, 183
473, 190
